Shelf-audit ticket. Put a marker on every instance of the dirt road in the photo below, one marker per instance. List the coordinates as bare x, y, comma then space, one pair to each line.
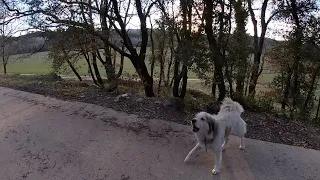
42, 138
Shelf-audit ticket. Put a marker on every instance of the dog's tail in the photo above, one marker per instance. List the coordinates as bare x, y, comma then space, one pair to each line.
228, 105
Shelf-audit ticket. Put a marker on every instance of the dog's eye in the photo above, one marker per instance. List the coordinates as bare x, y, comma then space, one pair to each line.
202, 119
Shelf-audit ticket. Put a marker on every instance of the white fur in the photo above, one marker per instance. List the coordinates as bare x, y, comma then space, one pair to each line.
228, 117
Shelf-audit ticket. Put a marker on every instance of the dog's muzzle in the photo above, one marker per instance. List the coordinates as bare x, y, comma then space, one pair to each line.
194, 128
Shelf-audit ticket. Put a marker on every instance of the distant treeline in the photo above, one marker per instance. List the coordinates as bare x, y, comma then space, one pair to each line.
40, 41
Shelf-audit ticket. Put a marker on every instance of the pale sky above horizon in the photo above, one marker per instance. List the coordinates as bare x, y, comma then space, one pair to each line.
276, 29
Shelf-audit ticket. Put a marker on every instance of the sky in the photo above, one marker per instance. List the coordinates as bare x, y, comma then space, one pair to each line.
276, 30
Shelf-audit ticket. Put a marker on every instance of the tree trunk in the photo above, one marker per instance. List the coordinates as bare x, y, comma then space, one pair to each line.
87, 58
240, 85
318, 109
4, 62
241, 49
65, 54
297, 49
96, 70
107, 63
282, 78
169, 67
5, 68
109, 67
177, 80
286, 90
214, 89
176, 84
121, 65
247, 82
258, 43
159, 85
160, 77
219, 79
254, 76
114, 55
91, 73
74, 70
2, 31
246, 88
215, 50
311, 87
214, 86
171, 82
143, 73
110, 70
295, 88
296, 63
229, 79
153, 58
184, 84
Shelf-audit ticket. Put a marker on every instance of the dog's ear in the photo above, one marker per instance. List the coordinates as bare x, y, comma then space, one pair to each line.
210, 120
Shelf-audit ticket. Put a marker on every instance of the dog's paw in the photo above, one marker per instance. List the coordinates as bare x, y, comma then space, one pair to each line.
215, 172
241, 147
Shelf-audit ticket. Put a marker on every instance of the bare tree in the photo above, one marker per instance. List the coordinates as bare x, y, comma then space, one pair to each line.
240, 46
217, 56
81, 14
153, 57
298, 13
258, 41
7, 43
180, 54
64, 50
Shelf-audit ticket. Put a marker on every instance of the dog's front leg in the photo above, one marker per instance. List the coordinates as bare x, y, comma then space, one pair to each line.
217, 166
218, 154
196, 148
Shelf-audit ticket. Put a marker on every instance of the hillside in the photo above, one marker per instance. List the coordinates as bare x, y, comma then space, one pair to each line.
38, 41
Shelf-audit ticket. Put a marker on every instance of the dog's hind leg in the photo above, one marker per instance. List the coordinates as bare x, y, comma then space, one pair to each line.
241, 143
196, 148
226, 138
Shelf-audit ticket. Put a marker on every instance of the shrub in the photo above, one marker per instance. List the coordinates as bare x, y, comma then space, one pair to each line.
196, 100
260, 103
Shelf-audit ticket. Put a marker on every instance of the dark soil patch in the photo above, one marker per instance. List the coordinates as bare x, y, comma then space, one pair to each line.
266, 127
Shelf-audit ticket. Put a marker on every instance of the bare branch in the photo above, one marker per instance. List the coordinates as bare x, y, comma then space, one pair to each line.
81, 3
271, 17
149, 8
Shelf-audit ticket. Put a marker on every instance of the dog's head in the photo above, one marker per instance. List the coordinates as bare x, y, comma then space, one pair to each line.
203, 123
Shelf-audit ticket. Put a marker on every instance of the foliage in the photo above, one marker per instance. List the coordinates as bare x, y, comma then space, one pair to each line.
64, 53
260, 103
297, 59
196, 100
200, 58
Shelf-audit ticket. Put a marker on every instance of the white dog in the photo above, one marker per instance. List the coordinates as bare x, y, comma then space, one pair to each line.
212, 131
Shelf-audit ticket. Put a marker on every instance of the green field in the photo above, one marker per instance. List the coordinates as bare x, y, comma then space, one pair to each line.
39, 63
